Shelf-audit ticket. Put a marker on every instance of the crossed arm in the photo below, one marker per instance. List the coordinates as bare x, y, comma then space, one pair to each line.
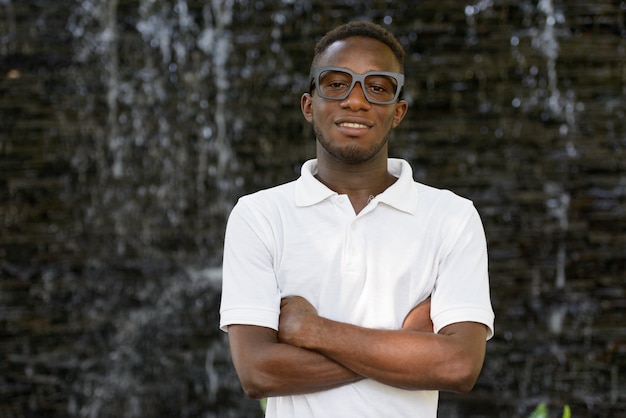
310, 353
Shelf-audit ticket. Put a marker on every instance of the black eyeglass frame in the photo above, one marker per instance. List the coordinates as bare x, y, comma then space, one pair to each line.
360, 78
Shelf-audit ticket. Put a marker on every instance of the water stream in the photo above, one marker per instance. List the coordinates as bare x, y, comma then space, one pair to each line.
129, 129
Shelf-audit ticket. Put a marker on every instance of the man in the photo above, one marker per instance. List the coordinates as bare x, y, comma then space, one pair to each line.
330, 282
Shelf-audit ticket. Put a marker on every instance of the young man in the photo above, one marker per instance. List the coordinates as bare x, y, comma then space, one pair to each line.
330, 282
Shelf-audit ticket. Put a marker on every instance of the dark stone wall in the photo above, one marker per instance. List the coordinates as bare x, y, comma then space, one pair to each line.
129, 128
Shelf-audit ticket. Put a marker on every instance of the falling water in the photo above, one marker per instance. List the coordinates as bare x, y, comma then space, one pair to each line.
146, 155
546, 99
545, 39
129, 129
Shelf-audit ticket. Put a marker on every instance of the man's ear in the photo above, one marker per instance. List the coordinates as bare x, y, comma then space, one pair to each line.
306, 104
401, 108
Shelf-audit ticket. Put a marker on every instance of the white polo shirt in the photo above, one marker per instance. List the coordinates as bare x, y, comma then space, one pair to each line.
369, 269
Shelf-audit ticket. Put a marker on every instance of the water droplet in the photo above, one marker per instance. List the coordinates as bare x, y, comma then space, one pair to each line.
207, 132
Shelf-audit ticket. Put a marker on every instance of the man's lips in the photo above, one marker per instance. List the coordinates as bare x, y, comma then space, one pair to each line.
354, 123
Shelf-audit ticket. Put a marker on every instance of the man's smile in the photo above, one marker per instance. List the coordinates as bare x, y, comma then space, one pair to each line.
352, 122
353, 125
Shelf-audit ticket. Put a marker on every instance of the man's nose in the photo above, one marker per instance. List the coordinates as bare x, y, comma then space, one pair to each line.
356, 98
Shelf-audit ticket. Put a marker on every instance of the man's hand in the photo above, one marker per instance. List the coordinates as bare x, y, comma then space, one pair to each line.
295, 312
419, 318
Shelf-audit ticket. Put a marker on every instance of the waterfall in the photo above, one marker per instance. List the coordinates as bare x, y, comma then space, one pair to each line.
145, 152
160, 169
546, 40
553, 105
129, 128
215, 41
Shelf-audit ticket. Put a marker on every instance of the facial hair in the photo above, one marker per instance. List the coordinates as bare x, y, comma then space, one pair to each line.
349, 154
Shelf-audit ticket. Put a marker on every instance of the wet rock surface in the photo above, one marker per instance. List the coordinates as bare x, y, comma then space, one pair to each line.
129, 128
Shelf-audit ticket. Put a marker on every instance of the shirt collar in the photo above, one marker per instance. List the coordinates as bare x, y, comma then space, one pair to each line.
401, 195
310, 190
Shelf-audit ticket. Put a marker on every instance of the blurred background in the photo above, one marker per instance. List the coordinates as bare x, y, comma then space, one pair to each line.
129, 128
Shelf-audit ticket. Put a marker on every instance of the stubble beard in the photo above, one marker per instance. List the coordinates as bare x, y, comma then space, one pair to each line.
350, 154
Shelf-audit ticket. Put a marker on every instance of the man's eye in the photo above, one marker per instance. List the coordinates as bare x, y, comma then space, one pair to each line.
337, 85
377, 89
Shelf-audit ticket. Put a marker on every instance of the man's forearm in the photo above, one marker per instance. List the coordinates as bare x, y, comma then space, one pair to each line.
404, 358
268, 368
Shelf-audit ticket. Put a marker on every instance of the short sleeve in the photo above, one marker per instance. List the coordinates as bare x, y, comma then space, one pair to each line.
461, 292
250, 295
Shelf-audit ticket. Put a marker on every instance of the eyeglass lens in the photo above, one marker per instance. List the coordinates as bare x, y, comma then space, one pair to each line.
378, 88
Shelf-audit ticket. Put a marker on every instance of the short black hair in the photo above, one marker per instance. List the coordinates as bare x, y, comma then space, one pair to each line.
362, 29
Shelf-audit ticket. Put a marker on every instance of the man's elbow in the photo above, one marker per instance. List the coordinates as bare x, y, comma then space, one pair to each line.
465, 378
252, 387
465, 384
257, 386
253, 392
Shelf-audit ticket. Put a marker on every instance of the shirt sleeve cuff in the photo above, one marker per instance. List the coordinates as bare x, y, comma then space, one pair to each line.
452, 316
249, 316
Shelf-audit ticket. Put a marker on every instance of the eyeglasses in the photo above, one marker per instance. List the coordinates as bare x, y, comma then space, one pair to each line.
336, 83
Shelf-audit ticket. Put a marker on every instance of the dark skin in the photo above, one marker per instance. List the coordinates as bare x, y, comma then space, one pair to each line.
268, 366
352, 148
310, 353
450, 360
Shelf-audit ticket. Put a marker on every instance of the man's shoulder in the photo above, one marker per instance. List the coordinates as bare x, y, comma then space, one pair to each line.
434, 195
270, 197
443, 205
426, 194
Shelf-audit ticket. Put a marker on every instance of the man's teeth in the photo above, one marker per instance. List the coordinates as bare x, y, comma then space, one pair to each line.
353, 125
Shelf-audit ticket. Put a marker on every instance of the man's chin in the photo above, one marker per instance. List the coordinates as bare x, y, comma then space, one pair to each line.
349, 154
349, 150
352, 153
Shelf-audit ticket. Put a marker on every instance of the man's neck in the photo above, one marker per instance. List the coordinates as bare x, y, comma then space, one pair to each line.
360, 182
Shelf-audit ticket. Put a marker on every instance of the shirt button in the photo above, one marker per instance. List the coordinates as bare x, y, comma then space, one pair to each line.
353, 226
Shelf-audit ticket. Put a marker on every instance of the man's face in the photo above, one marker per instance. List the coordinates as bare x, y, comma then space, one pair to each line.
353, 130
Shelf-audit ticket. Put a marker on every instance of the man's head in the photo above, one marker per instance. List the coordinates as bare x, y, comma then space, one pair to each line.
355, 98
360, 29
